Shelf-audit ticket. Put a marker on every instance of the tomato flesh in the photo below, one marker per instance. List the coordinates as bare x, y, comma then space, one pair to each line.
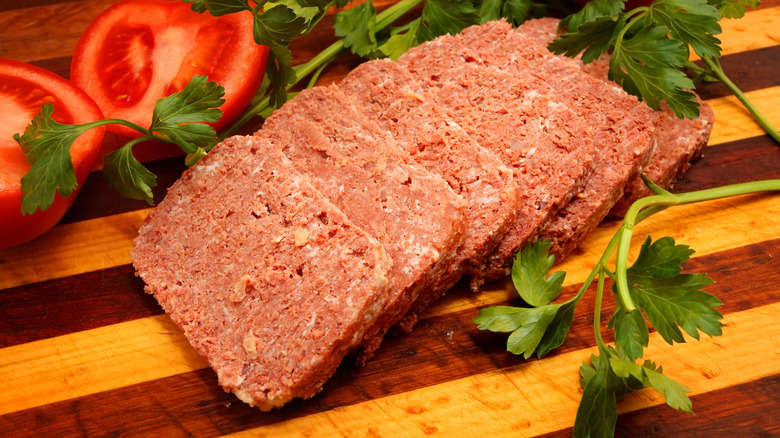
139, 51
23, 90
124, 65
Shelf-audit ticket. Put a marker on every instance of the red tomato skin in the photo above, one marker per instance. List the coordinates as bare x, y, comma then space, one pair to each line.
16, 228
165, 44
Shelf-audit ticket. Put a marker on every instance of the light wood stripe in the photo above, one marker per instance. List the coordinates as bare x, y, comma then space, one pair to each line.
542, 396
733, 122
61, 368
72, 249
756, 30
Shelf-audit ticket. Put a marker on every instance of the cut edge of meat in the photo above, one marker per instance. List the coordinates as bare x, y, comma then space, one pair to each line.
399, 202
275, 327
391, 96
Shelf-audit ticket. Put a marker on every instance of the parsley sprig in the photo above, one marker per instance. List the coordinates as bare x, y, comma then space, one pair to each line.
179, 119
650, 48
653, 289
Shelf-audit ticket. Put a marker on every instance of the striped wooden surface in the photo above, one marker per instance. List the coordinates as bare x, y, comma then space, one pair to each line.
84, 352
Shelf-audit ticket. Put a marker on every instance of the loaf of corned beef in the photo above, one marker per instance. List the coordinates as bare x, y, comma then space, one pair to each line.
391, 96
413, 213
679, 141
268, 280
537, 134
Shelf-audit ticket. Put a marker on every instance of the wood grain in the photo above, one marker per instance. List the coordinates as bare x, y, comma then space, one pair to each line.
84, 352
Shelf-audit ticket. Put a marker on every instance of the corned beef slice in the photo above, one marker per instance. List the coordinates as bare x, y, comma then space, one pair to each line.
679, 141
358, 166
533, 126
269, 281
391, 96
623, 126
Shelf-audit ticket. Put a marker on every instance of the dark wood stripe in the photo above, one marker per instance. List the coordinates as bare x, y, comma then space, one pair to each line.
440, 349
751, 412
98, 198
80, 302
751, 159
60, 66
750, 71
20, 4
747, 410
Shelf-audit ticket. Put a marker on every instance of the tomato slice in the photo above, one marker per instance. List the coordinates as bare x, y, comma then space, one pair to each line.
139, 51
23, 90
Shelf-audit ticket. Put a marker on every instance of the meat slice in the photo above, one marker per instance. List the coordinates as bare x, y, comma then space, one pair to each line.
360, 168
623, 126
269, 281
532, 124
679, 141
391, 96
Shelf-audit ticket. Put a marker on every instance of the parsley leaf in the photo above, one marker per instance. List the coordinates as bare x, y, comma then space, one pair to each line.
528, 325
182, 116
179, 118
651, 376
46, 145
592, 39
646, 65
441, 17
401, 39
612, 375
275, 28
734, 8
128, 176
670, 300
358, 28
438, 17
529, 274
537, 329
555, 332
218, 8
592, 11
631, 332
650, 46
693, 22
597, 412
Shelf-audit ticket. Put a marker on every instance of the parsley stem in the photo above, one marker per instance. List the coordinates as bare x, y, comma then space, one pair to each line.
597, 311
717, 70
147, 134
383, 19
649, 205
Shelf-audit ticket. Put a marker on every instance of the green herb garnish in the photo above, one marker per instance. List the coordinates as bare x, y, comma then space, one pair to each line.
653, 287
651, 45
179, 119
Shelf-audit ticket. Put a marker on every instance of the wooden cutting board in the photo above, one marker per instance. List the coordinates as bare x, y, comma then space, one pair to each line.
84, 352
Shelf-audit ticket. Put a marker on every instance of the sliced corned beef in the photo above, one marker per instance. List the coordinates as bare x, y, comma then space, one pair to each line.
390, 95
532, 126
413, 213
269, 281
679, 141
